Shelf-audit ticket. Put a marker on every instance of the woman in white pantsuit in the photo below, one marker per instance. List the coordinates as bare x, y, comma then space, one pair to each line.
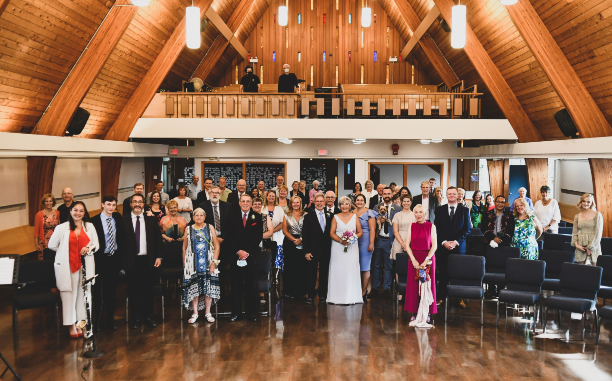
71, 240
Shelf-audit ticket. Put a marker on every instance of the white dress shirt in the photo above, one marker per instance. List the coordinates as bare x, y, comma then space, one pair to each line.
425, 204
143, 233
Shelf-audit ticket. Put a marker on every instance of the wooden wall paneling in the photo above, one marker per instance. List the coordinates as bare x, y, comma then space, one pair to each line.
497, 85
110, 168
507, 181
589, 120
153, 170
3, 4
496, 177
146, 89
601, 173
60, 111
40, 181
537, 170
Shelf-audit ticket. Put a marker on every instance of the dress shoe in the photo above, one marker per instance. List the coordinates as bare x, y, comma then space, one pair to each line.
252, 318
322, 300
234, 318
309, 301
462, 304
135, 324
150, 322
387, 294
112, 325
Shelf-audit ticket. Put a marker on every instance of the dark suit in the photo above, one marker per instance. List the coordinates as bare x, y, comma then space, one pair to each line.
107, 267
234, 200
433, 204
333, 211
243, 237
201, 197
224, 212
456, 230
375, 200
318, 243
141, 273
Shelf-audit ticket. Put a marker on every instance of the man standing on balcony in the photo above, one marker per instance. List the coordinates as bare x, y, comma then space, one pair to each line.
250, 83
287, 82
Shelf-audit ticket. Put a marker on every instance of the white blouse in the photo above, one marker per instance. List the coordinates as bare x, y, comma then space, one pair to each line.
368, 196
184, 204
548, 213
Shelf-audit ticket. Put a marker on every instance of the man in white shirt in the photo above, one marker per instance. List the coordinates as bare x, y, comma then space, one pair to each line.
381, 257
280, 180
194, 188
428, 202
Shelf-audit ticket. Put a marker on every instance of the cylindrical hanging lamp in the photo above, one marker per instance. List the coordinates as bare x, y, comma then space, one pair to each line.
366, 17
508, 2
283, 15
459, 26
141, 3
192, 25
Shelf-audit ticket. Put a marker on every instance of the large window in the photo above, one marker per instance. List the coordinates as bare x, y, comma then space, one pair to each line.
483, 176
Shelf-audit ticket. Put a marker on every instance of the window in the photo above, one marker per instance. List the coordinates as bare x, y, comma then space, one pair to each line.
261, 36
236, 74
299, 56
412, 75
362, 72
311, 36
337, 36
311, 75
362, 36
387, 81
388, 35
261, 74
286, 37
336, 75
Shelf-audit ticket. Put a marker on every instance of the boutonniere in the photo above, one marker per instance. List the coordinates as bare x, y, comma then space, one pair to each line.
327, 214
392, 208
252, 216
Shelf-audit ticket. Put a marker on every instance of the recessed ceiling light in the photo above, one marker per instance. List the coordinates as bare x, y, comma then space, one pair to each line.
208, 140
288, 141
359, 140
425, 141
436, 140
220, 141
282, 139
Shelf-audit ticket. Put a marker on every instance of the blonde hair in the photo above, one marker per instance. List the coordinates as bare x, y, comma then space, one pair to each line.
45, 197
344, 199
418, 206
579, 205
438, 189
290, 205
528, 210
369, 182
319, 195
171, 203
425, 182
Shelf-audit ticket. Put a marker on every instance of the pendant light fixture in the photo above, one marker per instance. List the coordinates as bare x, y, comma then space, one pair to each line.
366, 17
141, 3
508, 2
283, 14
192, 25
459, 26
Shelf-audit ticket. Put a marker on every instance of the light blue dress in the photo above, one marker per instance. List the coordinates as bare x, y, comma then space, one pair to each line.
365, 256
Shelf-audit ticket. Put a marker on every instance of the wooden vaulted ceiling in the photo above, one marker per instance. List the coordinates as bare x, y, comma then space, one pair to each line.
40, 41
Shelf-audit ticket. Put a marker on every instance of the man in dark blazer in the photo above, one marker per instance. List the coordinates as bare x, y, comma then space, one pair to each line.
141, 259
317, 246
377, 199
127, 203
245, 234
453, 225
109, 261
381, 257
234, 197
330, 203
215, 207
425, 196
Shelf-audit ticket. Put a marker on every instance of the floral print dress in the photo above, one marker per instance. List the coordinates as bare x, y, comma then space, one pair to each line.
525, 237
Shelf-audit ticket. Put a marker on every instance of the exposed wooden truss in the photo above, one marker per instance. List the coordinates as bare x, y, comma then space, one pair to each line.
432, 15
3, 4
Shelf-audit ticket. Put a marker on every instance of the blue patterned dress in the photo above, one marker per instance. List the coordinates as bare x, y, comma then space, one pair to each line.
201, 282
525, 237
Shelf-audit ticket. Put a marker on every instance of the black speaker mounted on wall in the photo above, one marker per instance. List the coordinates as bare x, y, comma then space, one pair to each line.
78, 122
566, 124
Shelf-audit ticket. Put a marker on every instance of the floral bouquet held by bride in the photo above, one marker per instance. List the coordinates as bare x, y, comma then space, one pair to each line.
349, 236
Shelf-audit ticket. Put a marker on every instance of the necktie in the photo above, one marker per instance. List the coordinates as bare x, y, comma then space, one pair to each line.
321, 221
452, 213
217, 220
111, 237
137, 234
244, 220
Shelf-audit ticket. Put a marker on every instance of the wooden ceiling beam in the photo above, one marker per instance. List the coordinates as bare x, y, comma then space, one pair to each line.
430, 48
211, 58
142, 96
3, 4
228, 32
588, 118
429, 19
493, 79
60, 111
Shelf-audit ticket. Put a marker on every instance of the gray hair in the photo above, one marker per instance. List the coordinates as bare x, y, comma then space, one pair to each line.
343, 200
199, 210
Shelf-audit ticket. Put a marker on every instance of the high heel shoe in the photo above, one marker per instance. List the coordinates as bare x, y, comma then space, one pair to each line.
365, 297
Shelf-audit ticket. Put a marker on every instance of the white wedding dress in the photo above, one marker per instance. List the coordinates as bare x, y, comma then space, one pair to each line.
344, 274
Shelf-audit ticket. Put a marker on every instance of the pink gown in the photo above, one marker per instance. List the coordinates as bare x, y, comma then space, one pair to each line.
420, 244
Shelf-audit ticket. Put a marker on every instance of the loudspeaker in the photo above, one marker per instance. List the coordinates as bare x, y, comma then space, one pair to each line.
566, 124
78, 122
445, 26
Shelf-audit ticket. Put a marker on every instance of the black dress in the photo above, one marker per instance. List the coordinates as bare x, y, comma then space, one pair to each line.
296, 268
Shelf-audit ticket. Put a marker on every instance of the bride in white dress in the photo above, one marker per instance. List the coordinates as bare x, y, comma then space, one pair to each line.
344, 272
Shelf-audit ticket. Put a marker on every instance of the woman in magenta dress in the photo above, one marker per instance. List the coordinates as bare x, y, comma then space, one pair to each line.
421, 247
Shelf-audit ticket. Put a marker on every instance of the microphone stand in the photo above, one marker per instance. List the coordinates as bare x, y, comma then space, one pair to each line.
93, 353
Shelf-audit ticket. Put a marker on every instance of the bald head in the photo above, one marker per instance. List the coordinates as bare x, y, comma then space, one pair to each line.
330, 198
67, 196
241, 186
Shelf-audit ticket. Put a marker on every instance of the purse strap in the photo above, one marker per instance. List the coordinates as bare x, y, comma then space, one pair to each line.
204, 236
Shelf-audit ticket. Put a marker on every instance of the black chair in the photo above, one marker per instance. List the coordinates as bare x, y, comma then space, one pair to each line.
579, 287
555, 241
562, 224
475, 243
402, 261
567, 246
606, 246
263, 277
540, 244
158, 290
565, 230
496, 264
465, 273
524, 279
476, 232
605, 292
605, 312
36, 279
554, 260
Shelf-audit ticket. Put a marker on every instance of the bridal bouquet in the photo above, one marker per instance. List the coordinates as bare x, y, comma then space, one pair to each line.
349, 236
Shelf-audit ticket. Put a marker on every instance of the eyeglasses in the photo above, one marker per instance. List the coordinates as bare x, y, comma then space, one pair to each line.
138, 202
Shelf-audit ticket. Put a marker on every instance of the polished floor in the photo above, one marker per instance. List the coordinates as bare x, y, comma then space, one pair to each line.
324, 342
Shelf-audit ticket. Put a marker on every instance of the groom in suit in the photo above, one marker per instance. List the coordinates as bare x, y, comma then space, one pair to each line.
245, 233
381, 258
452, 226
317, 246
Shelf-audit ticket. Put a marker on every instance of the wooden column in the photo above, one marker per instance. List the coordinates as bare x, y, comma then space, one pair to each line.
464, 173
40, 181
153, 170
496, 177
537, 170
142, 96
601, 172
492, 77
110, 168
56, 119
588, 118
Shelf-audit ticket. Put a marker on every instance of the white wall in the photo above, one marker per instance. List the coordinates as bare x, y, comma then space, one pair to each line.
13, 176
391, 173
574, 175
419, 173
82, 176
132, 172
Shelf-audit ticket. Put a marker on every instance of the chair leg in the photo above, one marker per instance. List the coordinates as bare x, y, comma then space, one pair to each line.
57, 317
560, 316
446, 309
127, 309
269, 303
583, 324
15, 323
497, 314
216, 311
482, 311
506, 311
598, 323
544, 320
163, 310
535, 317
